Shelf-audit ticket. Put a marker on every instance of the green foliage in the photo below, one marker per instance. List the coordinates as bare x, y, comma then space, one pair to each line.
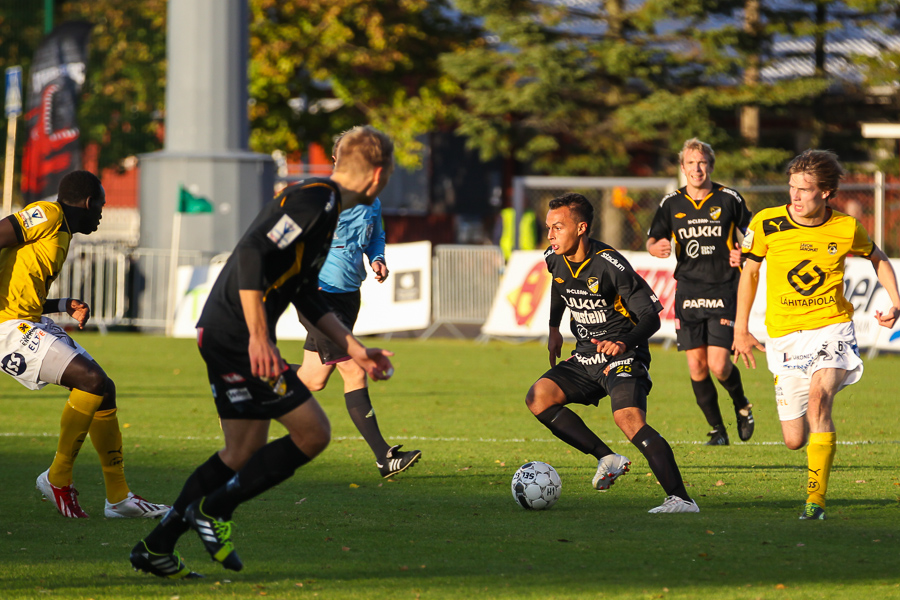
448, 528
350, 62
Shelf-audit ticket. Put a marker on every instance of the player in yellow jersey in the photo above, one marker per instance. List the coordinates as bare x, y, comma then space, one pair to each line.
35, 351
812, 347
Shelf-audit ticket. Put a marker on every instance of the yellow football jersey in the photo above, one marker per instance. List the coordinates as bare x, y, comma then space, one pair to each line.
804, 267
28, 269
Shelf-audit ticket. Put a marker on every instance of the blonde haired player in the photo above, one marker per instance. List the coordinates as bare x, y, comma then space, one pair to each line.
812, 348
35, 351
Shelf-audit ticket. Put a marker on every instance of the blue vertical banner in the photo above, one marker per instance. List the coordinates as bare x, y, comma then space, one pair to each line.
13, 102
52, 147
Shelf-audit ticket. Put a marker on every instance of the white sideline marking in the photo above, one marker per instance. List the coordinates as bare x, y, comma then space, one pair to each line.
411, 438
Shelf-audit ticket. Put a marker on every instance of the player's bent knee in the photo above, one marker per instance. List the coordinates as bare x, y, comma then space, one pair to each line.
109, 396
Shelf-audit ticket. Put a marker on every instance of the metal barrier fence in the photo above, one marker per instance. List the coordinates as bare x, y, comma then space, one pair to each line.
464, 281
123, 286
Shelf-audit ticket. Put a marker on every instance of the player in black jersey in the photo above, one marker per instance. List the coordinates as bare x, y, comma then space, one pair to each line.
704, 218
275, 263
613, 314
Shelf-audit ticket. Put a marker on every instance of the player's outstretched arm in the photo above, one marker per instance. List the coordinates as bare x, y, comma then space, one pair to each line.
744, 341
888, 280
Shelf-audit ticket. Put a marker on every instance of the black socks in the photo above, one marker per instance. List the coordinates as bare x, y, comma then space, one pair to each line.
708, 400
661, 459
567, 426
272, 464
363, 416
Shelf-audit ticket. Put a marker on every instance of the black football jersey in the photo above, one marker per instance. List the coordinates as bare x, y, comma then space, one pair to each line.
280, 254
606, 299
704, 232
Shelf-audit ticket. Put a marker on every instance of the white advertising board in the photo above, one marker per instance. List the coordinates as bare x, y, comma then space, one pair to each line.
521, 308
401, 303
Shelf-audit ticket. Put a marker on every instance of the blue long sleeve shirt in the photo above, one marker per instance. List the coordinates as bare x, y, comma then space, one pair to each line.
359, 231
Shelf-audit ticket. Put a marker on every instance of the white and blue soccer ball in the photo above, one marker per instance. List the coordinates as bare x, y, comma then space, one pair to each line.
536, 486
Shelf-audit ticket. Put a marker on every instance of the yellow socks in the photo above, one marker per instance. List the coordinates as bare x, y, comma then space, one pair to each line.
820, 455
74, 424
107, 440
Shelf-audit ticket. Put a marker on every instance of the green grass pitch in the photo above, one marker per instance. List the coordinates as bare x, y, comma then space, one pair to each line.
449, 528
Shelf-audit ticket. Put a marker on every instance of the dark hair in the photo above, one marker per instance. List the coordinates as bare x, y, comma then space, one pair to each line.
822, 166
78, 185
581, 209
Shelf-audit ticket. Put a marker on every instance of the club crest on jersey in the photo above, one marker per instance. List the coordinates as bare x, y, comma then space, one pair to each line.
680, 215
715, 212
832, 248
284, 232
593, 284
23, 328
32, 217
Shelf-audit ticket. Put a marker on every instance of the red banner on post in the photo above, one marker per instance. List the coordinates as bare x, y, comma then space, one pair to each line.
57, 74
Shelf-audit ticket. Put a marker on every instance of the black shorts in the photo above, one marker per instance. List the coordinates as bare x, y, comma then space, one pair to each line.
715, 331
240, 395
704, 315
346, 307
624, 378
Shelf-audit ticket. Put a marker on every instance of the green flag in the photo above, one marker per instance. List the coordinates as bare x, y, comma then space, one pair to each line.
191, 204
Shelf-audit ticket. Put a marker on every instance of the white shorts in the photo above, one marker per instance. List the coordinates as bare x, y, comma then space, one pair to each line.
36, 354
793, 358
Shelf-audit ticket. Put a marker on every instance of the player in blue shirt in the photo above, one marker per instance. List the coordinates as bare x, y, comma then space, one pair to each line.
359, 231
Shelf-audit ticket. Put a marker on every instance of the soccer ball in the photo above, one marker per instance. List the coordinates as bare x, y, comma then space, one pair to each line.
536, 486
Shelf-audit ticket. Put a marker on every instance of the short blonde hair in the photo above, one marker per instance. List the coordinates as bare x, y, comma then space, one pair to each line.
695, 144
363, 147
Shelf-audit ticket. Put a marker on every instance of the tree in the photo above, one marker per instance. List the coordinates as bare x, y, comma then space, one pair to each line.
319, 67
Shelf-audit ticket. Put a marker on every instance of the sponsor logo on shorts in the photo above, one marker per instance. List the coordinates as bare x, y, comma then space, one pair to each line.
726, 323
14, 364
590, 359
32, 217
284, 232
622, 367
33, 338
212, 387
236, 395
233, 378
24, 328
703, 303
279, 385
